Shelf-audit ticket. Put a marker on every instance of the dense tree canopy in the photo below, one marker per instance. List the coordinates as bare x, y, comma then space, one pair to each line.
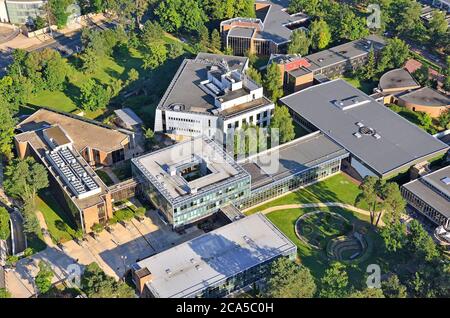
4, 224
282, 121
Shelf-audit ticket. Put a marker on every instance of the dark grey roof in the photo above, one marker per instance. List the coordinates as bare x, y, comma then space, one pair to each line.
397, 79
184, 88
293, 158
241, 32
128, 116
344, 52
337, 108
426, 97
432, 190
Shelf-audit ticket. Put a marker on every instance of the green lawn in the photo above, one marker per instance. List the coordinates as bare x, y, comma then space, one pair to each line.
338, 188
317, 260
105, 177
60, 225
366, 86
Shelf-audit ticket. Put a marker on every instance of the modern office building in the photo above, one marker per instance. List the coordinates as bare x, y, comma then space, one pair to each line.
97, 143
211, 96
268, 33
290, 166
191, 180
299, 72
23, 11
3, 12
430, 195
69, 148
215, 264
380, 142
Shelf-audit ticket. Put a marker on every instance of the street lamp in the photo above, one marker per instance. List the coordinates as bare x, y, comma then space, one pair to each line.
124, 258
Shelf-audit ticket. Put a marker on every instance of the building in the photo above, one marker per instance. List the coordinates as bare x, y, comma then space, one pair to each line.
23, 11
69, 148
299, 72
215, 264
290, 166
3, 12
396, 81
427, 14
98, 144
425, 100
430, 195
380, 142
211, 96
191, 180
127, 118
268, 33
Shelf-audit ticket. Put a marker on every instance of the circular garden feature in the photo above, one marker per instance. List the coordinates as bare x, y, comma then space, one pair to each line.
332, 233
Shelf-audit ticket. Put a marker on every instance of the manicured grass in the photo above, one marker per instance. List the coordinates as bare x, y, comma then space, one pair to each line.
60, 225
316, 259
105, 177
338, 188
366, 86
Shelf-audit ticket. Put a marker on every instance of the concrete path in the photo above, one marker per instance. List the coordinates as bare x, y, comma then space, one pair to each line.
319, 205
111, 174
47, 238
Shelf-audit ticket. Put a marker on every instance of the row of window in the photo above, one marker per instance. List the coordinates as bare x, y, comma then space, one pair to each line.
261, 120
186, 120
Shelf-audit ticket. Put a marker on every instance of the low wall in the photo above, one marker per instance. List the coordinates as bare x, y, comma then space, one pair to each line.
32, 34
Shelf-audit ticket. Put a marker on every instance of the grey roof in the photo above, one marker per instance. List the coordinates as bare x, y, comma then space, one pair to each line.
241, 32
189, 268
292, 158
386, 143
397, 79
274, 21
431, 189
344, 52
426, 97
128, 116
184, 88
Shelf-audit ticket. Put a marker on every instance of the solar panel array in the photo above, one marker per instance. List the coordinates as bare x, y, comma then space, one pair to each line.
72, 171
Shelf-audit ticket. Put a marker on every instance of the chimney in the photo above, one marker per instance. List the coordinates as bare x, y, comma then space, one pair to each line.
141, 277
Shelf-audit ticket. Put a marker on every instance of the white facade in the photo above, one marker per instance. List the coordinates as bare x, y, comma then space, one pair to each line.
3, 13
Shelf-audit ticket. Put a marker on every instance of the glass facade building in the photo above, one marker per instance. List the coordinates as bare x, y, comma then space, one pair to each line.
23, 12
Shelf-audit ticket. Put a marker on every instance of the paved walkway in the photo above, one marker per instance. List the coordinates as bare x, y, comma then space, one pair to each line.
111, 174
47, 238
319, 205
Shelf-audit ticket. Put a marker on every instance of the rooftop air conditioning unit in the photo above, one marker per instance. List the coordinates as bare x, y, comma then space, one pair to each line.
357, 135
376, 136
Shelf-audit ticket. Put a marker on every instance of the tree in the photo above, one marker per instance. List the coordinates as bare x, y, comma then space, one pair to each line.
94, 96
149, 137
203, 37
4, 224
420, 243
272, 82
392, 288
175, 50
289, 280
157, 55
282, 121
254, 75
192, 15
97, 228
168, 14
444, 119
132, 76
369, 195
7, 127
300, 43
334, 282
425, 119
24, 178
55, 73
151, 32
139, 212
409, 18
422, 75
4, 293
96, 284
320, 34
351, 27
393, 55
58, 9
43, 279
216, 41
39, 23
393, 202
394, 236
89, 60
244, 8
368, 71
438, 26
31, 223
367, 293
252, 57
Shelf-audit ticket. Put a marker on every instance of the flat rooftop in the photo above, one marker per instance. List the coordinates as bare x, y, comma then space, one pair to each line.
156, 167
128, 116
374, 134
426, 97
397, 79
344, 52
185, 91
434, 189
188, 268
82, 132
292, 158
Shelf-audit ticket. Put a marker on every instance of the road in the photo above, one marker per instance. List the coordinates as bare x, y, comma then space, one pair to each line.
20, 241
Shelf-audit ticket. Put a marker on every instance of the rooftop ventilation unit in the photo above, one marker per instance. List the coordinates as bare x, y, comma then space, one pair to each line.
357, 135
446, 180
344, 104
359, 124
376, 136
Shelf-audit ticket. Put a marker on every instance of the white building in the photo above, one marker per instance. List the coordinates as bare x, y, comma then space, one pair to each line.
3, 13
21, 11
211, 96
